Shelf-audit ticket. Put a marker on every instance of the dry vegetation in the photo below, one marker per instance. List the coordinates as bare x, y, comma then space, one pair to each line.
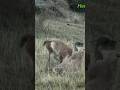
68, 34
56, 21
44, 81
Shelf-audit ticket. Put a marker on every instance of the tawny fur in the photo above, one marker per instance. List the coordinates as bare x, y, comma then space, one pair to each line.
72, 63
58, 48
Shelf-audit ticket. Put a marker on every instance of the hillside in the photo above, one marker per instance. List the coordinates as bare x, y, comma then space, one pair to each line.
56, 20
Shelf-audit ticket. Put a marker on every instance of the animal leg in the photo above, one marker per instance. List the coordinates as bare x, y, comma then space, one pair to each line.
61, 59
48, 64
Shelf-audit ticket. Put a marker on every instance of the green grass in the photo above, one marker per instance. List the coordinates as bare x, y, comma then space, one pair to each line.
52, 81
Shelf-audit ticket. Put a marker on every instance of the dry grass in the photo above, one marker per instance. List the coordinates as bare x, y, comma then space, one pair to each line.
51, 81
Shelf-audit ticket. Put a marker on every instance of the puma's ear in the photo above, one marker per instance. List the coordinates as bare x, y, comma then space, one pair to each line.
45, 42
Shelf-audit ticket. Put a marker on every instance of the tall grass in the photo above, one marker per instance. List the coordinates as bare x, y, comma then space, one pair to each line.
52, 81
